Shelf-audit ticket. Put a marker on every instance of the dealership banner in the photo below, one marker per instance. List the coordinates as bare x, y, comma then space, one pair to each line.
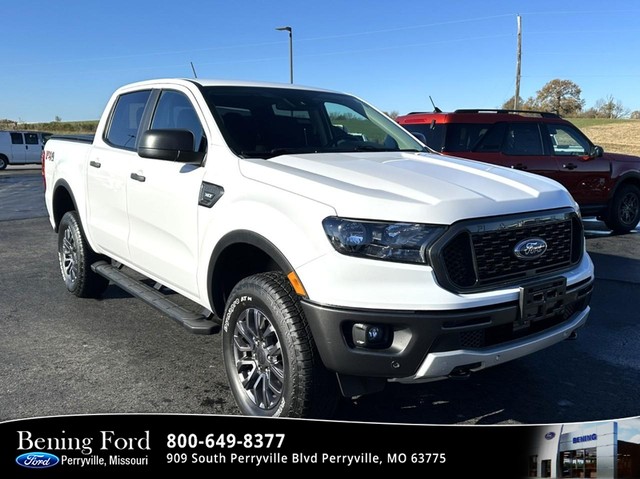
144, 444
107, 445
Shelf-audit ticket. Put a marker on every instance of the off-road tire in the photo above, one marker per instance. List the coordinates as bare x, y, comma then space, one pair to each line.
270, 357
76, 257
624, 211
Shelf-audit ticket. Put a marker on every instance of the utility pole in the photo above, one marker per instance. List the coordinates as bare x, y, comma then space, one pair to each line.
518, 57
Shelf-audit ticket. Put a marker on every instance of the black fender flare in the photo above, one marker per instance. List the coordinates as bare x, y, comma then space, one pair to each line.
243, 237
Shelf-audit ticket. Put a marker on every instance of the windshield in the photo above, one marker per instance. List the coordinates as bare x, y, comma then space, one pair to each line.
263, 122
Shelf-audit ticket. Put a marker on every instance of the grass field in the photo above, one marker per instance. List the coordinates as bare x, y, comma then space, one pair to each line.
619, 136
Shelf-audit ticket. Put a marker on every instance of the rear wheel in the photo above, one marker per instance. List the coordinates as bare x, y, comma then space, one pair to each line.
624, 212
3, 162
270, 357
75, 257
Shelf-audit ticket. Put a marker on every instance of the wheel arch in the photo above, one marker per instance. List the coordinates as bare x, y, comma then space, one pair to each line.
631, 177
237, 255
62, 201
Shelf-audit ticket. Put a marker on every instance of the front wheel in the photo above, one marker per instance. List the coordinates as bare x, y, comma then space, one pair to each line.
75, 257
624, 212
269, 354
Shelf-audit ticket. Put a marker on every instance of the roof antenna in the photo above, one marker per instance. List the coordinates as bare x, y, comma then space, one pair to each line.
194, 70
435, 108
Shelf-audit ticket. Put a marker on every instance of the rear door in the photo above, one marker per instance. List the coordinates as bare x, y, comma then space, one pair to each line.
111, 161
18, 149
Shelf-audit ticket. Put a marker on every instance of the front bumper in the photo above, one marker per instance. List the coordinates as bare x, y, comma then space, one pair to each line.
430, 345
443, 364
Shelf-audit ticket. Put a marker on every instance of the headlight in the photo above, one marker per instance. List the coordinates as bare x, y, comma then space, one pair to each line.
402, 242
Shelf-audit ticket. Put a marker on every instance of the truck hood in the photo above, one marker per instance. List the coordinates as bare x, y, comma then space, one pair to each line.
410, 187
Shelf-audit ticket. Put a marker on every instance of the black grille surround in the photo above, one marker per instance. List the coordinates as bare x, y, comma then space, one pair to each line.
479, 254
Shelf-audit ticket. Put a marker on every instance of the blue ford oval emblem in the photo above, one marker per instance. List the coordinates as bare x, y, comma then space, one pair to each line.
550, 435
37, 460
531, 248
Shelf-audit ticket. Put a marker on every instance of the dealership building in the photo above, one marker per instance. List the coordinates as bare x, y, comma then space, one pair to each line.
583, 450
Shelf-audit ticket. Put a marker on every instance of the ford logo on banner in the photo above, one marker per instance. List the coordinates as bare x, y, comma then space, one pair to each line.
531, 248
37, 460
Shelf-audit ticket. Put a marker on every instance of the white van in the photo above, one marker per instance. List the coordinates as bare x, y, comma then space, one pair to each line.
21, 147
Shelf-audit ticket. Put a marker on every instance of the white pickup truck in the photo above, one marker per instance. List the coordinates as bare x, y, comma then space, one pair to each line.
332, 263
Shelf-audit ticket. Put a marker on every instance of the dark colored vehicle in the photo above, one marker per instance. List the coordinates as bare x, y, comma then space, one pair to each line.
605, 185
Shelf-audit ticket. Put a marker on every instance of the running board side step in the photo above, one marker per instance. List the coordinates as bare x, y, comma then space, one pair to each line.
194, 322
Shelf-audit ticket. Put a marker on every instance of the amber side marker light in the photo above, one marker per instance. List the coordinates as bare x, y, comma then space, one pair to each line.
296, 283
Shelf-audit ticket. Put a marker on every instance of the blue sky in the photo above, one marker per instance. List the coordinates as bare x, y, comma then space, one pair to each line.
66, 58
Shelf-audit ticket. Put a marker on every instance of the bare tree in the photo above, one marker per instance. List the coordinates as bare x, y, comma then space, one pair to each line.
609, 107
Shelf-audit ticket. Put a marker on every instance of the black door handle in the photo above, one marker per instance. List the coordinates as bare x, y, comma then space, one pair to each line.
519, 166
137, 177
570, 166
95, 164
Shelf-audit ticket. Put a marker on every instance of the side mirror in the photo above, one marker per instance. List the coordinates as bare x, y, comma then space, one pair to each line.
170, 145
596, 151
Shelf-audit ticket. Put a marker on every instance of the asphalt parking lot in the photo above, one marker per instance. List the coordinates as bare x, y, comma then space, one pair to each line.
62, 355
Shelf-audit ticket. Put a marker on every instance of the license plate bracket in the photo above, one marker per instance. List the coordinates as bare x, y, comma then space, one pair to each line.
541, 301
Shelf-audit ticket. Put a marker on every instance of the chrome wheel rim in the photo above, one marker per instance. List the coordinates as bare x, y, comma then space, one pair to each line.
258, 358
629, 208
69, 257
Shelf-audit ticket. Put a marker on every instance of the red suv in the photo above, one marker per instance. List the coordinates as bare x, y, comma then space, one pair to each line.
605, 185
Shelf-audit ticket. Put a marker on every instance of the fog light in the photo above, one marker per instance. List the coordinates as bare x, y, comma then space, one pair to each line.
370, 335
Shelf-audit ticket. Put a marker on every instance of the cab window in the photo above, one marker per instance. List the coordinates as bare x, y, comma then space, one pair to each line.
174, 111
31, 138
125, 119
567, 141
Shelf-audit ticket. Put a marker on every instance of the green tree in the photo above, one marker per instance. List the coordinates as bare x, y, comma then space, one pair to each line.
528, 104
561, 97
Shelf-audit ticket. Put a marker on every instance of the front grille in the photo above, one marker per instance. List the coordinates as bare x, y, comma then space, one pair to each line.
478, 255
495, 257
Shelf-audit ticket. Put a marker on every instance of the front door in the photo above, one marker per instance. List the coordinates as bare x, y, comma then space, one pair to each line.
586, 178
33, 148
162, 202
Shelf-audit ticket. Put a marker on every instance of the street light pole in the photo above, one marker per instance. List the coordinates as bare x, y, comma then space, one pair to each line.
290, 30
